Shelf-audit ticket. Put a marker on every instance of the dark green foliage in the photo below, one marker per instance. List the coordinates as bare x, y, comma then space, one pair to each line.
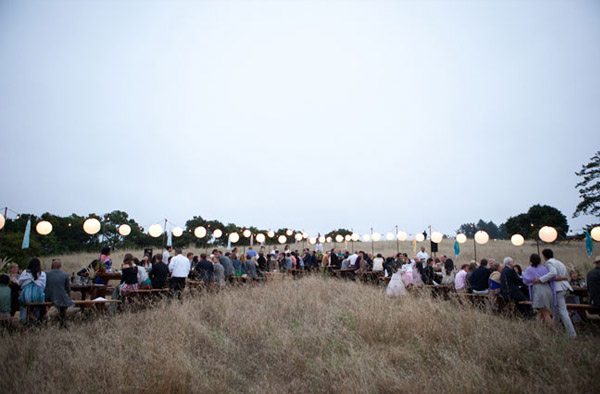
589, 188
528, 224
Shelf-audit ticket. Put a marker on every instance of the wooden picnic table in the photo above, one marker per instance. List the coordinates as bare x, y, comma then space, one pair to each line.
93, 289
108, 276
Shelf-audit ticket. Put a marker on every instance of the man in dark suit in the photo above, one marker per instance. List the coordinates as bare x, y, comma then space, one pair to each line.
159, 274
511, 287
58, 289
204, 268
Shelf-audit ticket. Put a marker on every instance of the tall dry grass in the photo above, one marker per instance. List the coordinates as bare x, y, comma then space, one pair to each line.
308, 335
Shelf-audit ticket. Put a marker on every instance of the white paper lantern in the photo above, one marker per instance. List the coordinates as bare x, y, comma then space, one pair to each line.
366, 237
260, 238
420, 237
376, 237
44, 227
402, 236
339, 238
389, 236
595, 233
304, 235
270, 233
124, 230
322, 239
155, 230
298, 237
329, 239
177, 231
437, 237
217, 233
2, 221
289, 232
347, 238
461, 238
282, 239
355, 237
548, 234
200, 232
247, 233
312, 240
481, 237
517, 239
91, 226
234, 237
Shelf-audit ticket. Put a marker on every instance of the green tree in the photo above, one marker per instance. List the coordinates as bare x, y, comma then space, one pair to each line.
528, 224
468, 229
589, 188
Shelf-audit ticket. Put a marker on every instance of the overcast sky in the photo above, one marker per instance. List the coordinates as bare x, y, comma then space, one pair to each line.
311, 115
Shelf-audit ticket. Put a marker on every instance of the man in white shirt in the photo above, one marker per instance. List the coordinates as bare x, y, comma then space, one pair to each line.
422, 256
179, 267
558, 272
166, 255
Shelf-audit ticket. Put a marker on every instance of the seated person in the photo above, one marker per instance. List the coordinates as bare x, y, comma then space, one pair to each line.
159, 273
144, 281
478, 280
205, 269
378, 263
129, 275
427, 274
593, 283
494, 279
58, 289
5, 297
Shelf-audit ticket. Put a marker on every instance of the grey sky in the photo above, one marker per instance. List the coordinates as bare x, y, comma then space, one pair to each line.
310, 115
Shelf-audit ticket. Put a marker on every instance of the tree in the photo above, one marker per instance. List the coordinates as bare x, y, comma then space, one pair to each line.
589, 188
468, 229
528, 224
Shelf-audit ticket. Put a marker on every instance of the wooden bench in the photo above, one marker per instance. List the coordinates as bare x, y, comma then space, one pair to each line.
145, 294
573, 307
81, 304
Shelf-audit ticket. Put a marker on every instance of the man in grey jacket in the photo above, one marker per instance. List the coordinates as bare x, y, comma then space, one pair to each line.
57, 289
558, 272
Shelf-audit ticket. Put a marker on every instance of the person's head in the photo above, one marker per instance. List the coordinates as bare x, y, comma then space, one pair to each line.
465, 267
518, 269
423, 249
4, 280
202, 256
34, 266
156, 259
128, 260
105, 250
448, 265
169, 248
13, 268
508, 262
548, 254
190, 256
429, 261
483, 263
535, 260
472, 266
379, 255
56, 264
178, 251
574, 274
597, 261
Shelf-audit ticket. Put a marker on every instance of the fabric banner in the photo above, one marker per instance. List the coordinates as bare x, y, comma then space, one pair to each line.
25, 244
589, 244
169, 238
456, 248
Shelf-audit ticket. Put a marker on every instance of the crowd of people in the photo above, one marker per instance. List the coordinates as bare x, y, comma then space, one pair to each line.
545, 283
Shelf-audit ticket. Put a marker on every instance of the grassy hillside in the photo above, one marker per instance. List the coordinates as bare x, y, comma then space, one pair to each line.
308, 335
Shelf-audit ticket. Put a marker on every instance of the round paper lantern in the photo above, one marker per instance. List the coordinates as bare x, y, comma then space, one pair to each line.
282, 239
339, 238
2, 221
200, 232
322, 239
270, 233
155, 230
355, 237
304, 235
461, 238
44, 227
366, 237
312, 240
389, 236
234, 237
217, 233
298, 237
402, 236
548, 234
420, 237
124, 230
289, 232
437, 237
329, 239
517, 240
260, 238
247, 233
177, 231
347, 238
595, 233
376, 237
91, 226
481, 237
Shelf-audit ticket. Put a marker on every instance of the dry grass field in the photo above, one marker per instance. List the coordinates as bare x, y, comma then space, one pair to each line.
571, 253
309, 335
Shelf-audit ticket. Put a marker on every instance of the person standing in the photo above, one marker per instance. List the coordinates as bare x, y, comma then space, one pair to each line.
58, 289
167, 254
558, 272
179, 267
593, 283
540, 294
205, 269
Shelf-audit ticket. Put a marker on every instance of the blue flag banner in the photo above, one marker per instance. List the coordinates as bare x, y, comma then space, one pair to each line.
589, 244
169, 238
25, 244
456, 248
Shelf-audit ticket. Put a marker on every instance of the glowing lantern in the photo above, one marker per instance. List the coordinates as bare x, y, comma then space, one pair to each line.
260, 238
376, 237
270, 233
43, 228
177, 231
282, 239
91, 226
461, 238
402, 236
595, 233
389, 236
200, 232
339, 238
247, 233
481, 237
298, 237
420, 237
289, 232
437, 237
312, 240
355, 237
548, 234
329, 239
234, 237
155, 230
366, 237
322, 239
124, 230
2, 221
517, 240
348, 238
217, 233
